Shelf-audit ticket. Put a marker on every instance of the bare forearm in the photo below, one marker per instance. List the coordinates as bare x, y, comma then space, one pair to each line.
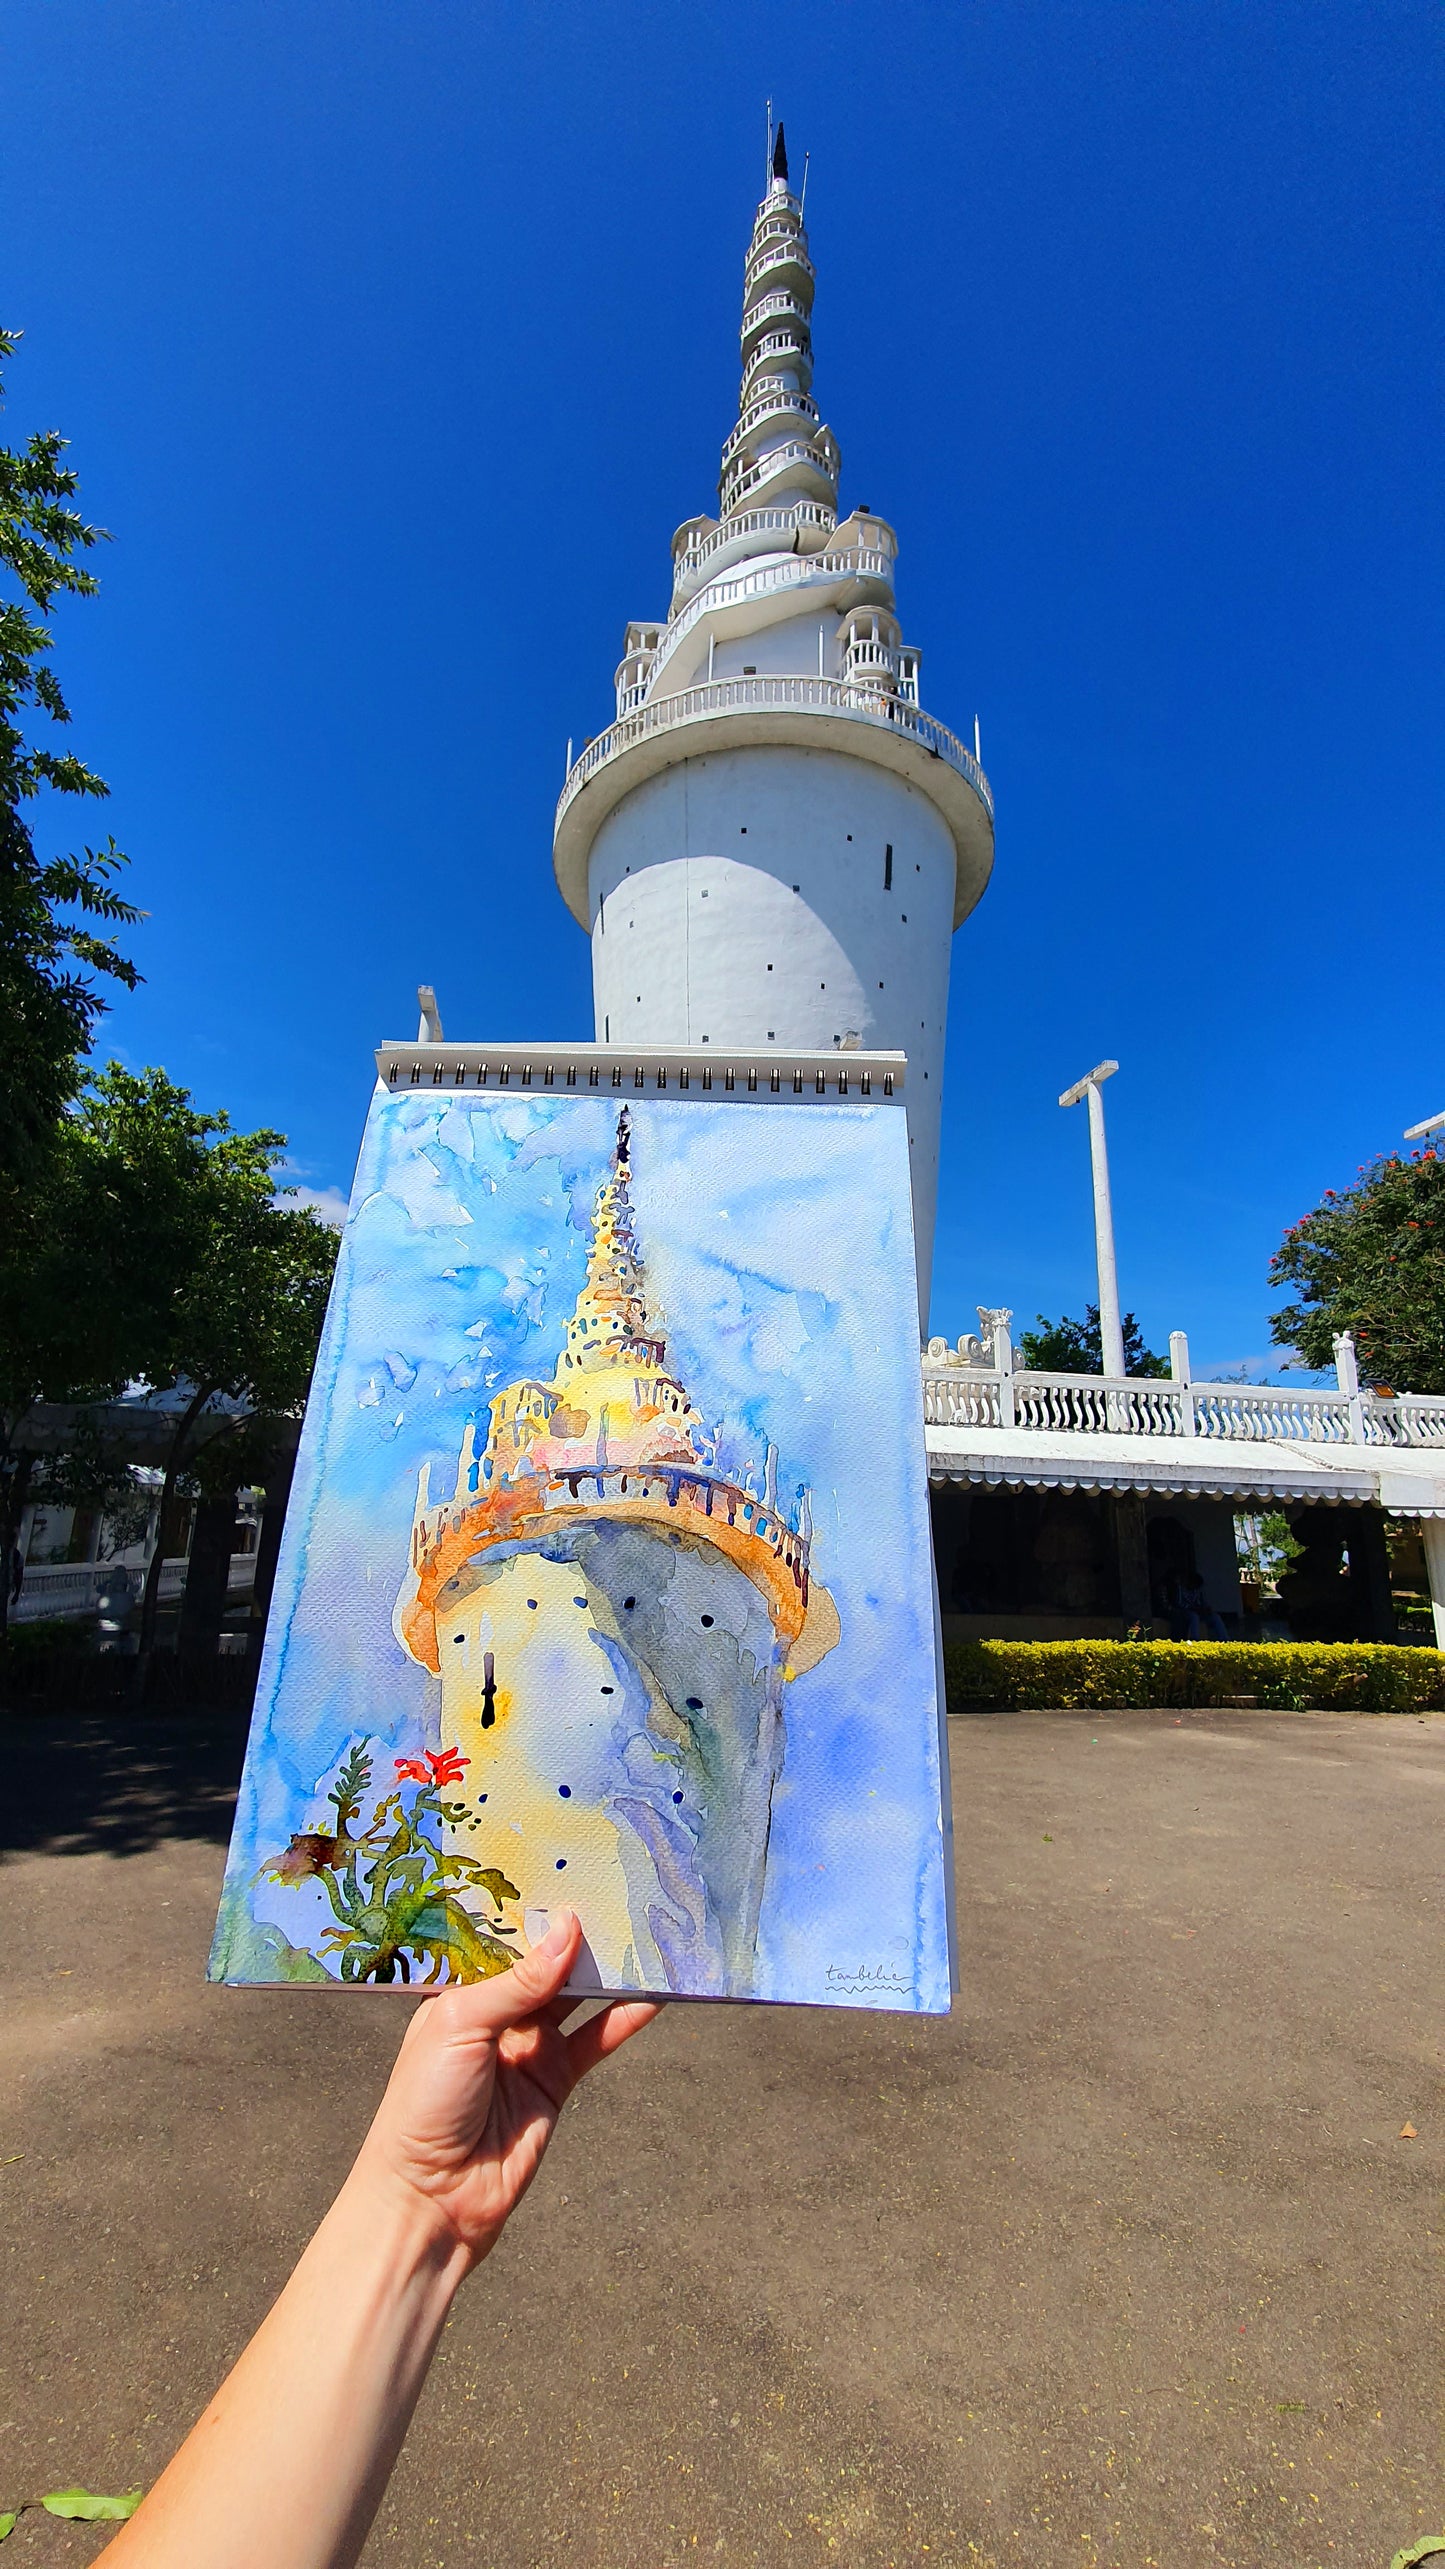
290, 2460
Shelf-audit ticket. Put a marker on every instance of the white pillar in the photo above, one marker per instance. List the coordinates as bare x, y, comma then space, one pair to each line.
995, 1325
1111, 1330
1432, 1529
1179, 1367
1347, 1374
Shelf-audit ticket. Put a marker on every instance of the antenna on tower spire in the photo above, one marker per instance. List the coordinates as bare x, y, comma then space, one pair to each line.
769, 168
803, 199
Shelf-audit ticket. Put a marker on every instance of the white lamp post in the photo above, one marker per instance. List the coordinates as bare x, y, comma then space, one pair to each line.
1111, 1330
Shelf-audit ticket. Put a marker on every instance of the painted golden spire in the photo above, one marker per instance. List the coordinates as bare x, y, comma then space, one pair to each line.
612, 1433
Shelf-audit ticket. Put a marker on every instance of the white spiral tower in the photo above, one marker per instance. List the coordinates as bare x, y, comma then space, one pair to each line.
773, 844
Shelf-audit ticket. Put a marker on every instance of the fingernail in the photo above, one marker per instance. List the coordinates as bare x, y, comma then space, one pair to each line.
558, 1934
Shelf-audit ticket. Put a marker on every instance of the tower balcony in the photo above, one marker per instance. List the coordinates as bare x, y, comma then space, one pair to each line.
871, 663
748, 713
843, 577
783, 223
779, 402
810, 464
803, 528
777, 350
780, 264
770, 313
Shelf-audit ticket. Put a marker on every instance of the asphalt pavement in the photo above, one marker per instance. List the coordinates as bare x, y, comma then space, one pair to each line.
1125, 2264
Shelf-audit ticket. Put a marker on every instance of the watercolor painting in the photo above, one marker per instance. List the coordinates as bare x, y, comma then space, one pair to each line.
606, 1577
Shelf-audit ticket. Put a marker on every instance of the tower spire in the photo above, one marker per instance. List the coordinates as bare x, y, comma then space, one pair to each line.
774, 714
779, 454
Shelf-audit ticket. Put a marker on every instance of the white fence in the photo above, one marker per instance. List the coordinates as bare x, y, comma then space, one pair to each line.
741, 695
65, 1591
975, 1385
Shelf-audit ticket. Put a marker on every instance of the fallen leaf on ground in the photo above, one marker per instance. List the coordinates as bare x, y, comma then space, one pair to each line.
82, 2506
1409, 2133
8, 2524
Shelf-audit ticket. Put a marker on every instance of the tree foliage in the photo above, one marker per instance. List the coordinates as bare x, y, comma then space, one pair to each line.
160, 1255
232, 1285
1077, 1347
50, 909
1371, 1259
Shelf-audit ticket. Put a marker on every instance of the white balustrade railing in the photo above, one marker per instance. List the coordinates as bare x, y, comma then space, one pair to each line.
797, 405
962, 1399
1096, 1405
858, 562
739, 479
771, 260
1408, 1418
64, 1591
776, 348
771, 307
773, 227
1269, 1416
963, 1392
745, 695
757, 521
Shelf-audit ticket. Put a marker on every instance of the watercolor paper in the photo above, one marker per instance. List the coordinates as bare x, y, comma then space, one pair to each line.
606, 1577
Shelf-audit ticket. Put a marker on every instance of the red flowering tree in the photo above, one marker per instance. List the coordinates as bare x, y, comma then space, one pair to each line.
1371, 1259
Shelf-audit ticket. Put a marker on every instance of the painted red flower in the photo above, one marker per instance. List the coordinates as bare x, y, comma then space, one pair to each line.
434, 1766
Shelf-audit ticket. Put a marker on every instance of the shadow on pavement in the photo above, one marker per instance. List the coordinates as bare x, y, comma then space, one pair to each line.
118, 1785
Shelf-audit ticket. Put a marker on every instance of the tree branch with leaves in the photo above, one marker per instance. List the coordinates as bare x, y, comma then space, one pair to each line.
1371, 1259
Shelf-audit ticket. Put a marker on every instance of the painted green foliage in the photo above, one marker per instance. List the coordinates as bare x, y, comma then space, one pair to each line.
396, 1891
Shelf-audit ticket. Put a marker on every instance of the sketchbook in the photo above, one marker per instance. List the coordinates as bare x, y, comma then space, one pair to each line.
606, 1578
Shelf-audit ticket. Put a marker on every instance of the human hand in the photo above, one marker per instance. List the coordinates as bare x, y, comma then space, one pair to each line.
482, 2075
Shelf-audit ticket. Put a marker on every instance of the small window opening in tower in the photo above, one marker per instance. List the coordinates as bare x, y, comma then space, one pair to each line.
797, 887
888, 869
750, 669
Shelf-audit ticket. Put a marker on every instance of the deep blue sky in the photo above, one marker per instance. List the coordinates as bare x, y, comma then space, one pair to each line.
394, 340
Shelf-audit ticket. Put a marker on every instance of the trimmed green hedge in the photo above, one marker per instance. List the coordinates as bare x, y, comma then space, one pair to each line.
1289, 1676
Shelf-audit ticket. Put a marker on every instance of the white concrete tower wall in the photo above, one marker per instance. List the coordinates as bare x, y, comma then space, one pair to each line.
773, 842
775, 895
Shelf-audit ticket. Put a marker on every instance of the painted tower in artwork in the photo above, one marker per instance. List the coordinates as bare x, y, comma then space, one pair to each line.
774, 843
614, 1620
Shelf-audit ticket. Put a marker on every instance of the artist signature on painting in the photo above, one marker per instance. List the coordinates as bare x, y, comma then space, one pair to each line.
865, 1980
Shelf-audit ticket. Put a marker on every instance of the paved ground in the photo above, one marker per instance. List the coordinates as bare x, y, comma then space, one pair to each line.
1125, 2264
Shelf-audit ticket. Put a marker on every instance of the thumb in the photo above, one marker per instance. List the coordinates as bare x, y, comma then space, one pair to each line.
491, 2006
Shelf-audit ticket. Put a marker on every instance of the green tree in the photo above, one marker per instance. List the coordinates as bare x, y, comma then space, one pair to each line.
239, 1281
166, 1260
1371, 1259
1077, 1347
49, 1002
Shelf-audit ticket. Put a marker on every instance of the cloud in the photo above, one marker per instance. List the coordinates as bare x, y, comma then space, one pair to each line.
327, 1202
